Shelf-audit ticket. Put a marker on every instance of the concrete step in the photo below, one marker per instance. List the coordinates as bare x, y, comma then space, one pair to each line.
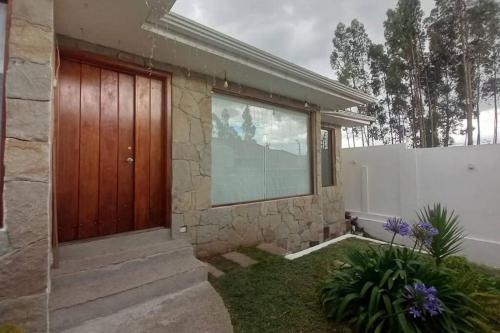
100, 280
97, 259
112, 244
196, 309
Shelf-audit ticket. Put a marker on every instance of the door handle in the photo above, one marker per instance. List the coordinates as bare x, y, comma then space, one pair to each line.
130, 160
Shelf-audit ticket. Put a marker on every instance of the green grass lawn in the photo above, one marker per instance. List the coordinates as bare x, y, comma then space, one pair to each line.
279, 295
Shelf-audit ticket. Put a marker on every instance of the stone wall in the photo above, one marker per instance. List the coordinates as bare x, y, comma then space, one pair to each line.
333, 196
24, 238
291, 223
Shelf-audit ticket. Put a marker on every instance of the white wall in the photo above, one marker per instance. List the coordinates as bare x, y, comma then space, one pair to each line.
385, 181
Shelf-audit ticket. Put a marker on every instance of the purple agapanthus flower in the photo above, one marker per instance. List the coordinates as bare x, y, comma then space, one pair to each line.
423, 232
423, 301
397, 226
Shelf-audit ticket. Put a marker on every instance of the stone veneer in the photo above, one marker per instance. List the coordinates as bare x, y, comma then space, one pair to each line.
333, 196
24, 237
290, 223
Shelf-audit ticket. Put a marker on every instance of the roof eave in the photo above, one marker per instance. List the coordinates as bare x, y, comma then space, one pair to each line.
346, 119
177, 26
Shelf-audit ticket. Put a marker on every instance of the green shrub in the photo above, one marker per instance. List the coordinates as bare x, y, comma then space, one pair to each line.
373, 295
469, 277
482, 287
449, 239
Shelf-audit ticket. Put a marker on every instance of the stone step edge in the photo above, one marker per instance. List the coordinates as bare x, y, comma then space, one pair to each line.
75, 266
107, 240
54, 313
197, 264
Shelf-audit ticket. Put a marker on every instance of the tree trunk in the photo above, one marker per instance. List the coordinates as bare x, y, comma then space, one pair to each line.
478, 141
413, 114
347, 135
391, 129
401, 133
448, 110
418, 97
447, 126
431, 110
465, 58
495, 122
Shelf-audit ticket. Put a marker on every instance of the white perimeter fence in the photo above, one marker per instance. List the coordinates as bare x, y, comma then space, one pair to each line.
384, 181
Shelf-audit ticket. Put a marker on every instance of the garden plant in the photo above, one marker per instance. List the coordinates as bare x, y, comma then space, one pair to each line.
390, 288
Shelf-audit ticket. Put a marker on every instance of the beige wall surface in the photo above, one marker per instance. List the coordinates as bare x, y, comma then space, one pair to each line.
24, 238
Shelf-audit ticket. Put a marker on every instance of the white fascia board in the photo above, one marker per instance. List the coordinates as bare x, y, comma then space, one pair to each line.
346, 119
243, 61
179, 28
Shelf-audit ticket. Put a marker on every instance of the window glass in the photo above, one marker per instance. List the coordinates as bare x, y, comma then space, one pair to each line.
327, 157
259, 151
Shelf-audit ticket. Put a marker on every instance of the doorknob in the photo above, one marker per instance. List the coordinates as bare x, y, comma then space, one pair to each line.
130, 160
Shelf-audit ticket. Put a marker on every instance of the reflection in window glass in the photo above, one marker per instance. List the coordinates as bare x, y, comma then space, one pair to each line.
258, 151
327, 158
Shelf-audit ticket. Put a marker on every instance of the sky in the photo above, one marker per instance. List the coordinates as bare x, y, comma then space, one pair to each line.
300, 31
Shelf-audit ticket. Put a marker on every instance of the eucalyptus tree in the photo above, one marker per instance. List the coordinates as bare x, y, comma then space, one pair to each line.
399, 94
349, 59
444, 57
379, 67
467, 66
483, 16
405, 38
491, 86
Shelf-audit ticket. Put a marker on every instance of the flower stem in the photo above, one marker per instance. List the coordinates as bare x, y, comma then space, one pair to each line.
414, 246
392, 240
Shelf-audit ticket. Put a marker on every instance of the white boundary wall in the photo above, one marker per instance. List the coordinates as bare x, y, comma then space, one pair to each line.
384, 181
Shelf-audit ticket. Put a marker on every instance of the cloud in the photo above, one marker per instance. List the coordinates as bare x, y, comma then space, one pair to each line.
299, 31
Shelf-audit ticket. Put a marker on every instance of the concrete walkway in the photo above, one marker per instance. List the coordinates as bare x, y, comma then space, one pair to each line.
197, 309
240, 259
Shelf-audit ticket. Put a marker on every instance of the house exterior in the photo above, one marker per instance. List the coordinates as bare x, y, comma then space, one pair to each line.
149, 120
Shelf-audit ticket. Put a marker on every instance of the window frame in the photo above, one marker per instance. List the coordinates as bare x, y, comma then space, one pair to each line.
255, 95
333, 149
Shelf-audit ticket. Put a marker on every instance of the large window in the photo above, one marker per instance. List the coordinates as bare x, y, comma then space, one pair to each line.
327, 157
259, 151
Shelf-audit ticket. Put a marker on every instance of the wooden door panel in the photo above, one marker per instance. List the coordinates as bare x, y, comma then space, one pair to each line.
142, 141
68, 128
126, 150
111, 151
108, 153
89, 152
156, 167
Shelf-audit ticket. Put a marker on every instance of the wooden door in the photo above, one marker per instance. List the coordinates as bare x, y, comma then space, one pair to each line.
110, 156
